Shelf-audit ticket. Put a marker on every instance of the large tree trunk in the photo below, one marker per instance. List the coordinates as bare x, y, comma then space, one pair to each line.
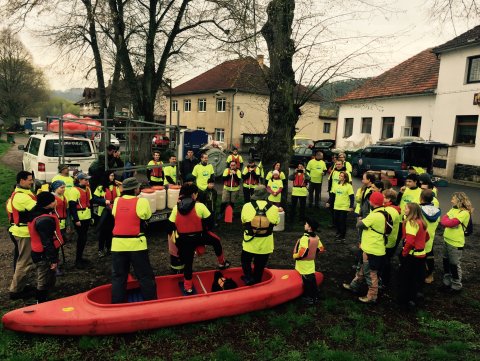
282, 112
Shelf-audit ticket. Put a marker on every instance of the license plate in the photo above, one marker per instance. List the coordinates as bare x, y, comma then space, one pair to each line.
157, 217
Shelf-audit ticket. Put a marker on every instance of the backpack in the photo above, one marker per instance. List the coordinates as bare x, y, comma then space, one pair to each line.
388, 225
260, 225
468, 230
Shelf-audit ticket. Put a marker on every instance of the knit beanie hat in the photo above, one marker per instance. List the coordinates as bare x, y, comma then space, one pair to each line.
56, 184
44, 199
376, 199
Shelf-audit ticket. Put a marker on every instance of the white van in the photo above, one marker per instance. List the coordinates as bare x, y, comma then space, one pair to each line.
42, 155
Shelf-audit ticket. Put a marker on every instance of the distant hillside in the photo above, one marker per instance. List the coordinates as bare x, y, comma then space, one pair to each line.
73, 94
330, 91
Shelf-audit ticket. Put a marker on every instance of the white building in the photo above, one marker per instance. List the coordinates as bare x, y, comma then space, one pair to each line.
432, 95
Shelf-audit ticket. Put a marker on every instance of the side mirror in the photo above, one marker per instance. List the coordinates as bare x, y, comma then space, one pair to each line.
21, 147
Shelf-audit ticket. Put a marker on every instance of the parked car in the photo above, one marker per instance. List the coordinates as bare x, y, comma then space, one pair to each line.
395, 156
302, 141
160, 141
299, 141
301, 154
42, 152
326, 146
113, 140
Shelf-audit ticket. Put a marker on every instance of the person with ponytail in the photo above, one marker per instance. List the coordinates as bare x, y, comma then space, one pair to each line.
412, 258
455, 222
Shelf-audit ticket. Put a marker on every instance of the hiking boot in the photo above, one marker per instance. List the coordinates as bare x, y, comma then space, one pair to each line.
224, 266
367, 300
429, 279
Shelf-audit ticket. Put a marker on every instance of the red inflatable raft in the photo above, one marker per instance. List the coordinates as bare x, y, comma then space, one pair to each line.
91, 313
81, 125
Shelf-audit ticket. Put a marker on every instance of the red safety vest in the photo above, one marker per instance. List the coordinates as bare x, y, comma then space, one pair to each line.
232, 181
312, 248
421, 238
111, 194
19, 217
61, 208
127, 222
251, 180
236, 159
189, 223
157, 172
36, 241
84, 201
299, 180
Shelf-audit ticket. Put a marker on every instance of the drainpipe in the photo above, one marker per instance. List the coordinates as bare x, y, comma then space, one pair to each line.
231, 123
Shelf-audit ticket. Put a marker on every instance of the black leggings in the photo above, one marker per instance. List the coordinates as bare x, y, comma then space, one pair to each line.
259, 262
105, 229
82, 232
340, 219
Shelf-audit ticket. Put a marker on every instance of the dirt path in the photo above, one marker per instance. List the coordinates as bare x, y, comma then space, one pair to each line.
13, 158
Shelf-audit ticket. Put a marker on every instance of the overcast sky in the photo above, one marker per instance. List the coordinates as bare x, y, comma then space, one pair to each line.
414, 30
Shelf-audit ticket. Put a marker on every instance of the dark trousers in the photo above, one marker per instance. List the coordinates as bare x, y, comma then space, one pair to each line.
412, 276
310, 288
386, 272
186, 250
15, 250
317, 189
430, 263
82, 232
259, 263
121, 262
104, 231
340, 220
303, 203
247, 193
211, 239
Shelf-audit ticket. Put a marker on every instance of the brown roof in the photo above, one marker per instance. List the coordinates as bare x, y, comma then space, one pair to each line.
471, 37
244, 74
417, 75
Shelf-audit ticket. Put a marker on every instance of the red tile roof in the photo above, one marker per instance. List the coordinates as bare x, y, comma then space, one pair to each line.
417, 75
245, 75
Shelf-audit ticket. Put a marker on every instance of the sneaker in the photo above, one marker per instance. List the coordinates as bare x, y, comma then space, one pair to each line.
429, 279
347, 286
188, 292
224, 266
367, 300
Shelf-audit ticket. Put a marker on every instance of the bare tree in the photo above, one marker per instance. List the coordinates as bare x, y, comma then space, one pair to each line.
455, 11
22, 86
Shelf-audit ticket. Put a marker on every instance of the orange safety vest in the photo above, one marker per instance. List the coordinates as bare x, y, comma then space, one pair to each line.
312, 248
188, 224
61, 208
299, 180
36, 241
252, 180
236, 159
232, 181
110, 195
157, 172
84, 201
127, 222
19, 218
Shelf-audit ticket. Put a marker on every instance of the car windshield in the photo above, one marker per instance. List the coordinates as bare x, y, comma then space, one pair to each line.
73, 148
304, 142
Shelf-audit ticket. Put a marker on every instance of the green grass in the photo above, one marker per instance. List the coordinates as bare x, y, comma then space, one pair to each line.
7, 181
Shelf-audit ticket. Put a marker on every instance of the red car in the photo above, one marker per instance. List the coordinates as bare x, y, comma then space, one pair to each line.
160, 141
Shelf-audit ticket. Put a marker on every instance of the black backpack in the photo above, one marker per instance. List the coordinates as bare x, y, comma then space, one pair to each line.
468, 230
388, 225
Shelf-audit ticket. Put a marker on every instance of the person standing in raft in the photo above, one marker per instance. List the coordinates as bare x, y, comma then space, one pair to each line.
129, 243
46, 239
258, 219
304, 254
191, 220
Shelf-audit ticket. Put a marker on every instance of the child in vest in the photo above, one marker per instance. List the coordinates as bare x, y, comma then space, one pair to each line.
304, 254
412, 259
299, 191
342, 199
394, 211
455, 223
431, 215
275, 187
58, 189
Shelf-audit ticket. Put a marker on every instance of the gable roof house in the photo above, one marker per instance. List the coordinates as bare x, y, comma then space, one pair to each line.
231, 100
431, 95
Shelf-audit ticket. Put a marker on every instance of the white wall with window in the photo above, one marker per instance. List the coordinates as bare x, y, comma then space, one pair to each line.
348, 127
327, 127
187, 105
221, 104
174, 105
202, 105
366, 125
219, 134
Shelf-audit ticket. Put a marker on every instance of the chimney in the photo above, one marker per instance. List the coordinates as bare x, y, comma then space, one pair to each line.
260, 60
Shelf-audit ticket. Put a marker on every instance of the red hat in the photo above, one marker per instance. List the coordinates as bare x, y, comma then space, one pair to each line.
376, 199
